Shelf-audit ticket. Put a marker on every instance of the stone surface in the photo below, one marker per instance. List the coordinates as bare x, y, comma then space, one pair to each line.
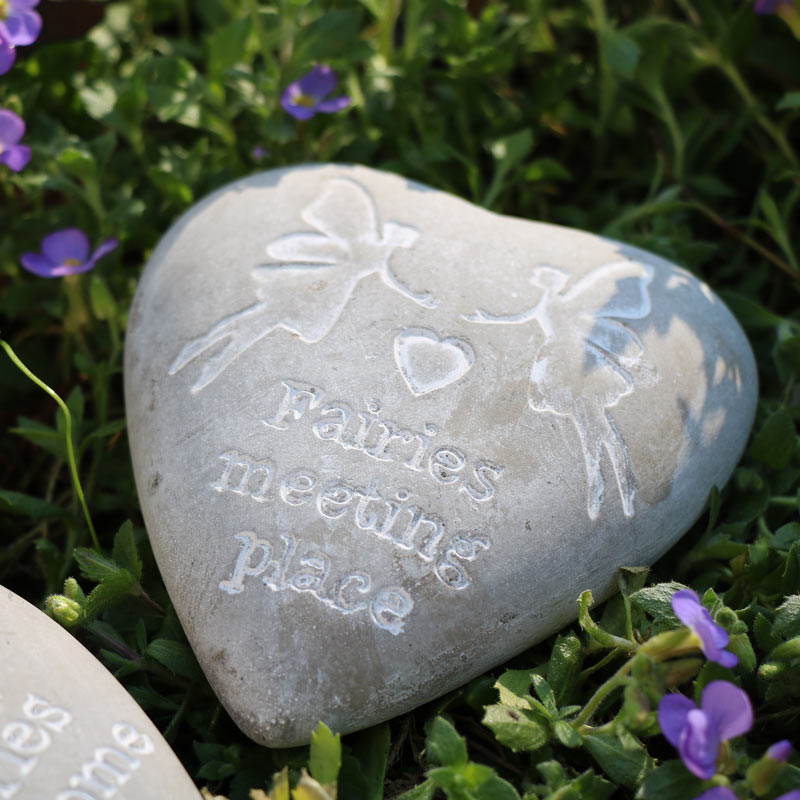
68, 730
384, 438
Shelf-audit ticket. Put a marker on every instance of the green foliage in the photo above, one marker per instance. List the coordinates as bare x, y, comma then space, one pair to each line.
671, 126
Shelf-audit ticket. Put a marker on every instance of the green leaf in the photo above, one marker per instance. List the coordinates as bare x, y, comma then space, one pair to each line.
509, 151
515, 728
790, 100
425, 791
589, 786
670, 779
78, 163
325, 758
495, 788
514, 688
94, 565
774, 444
28, 506
620, 52
443, 743
545, 694
329, 36
749, 312
125, 553
657, 601
564, 666
175, 656
113, 588
566, 734
787, 618
363, 772
226, 45
628, 767
102, 301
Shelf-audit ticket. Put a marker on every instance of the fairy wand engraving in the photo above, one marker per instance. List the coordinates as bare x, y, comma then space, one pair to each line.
348, 244
588, 360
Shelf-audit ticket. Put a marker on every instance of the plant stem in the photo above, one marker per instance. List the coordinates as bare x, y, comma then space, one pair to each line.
73, 466
616, 680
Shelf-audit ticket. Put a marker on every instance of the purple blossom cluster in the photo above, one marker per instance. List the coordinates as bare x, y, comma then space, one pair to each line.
725, 711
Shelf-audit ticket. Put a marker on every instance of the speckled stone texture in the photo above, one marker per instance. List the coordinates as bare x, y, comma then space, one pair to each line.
384, 438
68, 729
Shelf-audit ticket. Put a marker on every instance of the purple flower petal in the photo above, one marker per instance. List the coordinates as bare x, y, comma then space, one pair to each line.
319, 82
23, 26
729, 707
691, 612
699, 744
780, 751
16, 157
334, 104
12, 127
770, 6
793, 795
672, 712
106, 247
69, 244
717, 793
300, 112
23, 5
37, 264
7, 56
72, 269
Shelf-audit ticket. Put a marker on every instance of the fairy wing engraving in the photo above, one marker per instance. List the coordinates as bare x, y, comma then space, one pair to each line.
310, 277
588, 360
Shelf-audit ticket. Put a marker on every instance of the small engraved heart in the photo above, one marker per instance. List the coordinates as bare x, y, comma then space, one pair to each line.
427, 362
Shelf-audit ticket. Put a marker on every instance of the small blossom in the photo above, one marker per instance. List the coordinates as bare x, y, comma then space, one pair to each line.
725, 712
691, 612
12, 129
306, 97
780, 751
7, 55
771, 6
65, 252
19, 23
793, 795
259, 152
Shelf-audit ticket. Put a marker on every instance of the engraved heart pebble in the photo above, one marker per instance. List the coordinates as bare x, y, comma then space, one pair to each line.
69, 730
384, 438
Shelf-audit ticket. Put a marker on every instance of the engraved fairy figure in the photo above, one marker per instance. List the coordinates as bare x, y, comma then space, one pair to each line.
306, 286
588, 360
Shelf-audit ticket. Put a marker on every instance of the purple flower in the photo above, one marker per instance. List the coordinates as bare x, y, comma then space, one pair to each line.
697, 733
7, 55
259, 152
780, 751
12, 128
18, 22
793, 795
771, 6
717, 793
65, 252
690, 611
306, 97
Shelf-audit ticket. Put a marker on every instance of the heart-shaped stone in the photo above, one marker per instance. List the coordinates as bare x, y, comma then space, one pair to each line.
68, 730
429, 363
338, 548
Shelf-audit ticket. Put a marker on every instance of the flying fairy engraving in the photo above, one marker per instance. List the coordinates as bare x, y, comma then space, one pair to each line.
588, 360
313, 274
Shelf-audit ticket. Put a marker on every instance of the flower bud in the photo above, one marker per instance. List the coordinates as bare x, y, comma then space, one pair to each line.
73, 591
64, 610
763, 772
642, 667
727, 618
679, 670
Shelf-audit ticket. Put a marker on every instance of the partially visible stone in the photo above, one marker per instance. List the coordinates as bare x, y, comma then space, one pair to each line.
68, 729
383, 438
